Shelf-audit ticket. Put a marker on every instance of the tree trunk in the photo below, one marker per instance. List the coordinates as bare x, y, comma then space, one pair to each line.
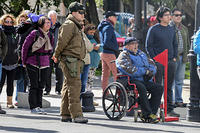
91, 11
111, 5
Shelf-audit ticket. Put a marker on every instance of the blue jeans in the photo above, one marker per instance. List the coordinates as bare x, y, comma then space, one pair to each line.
20, 84
178, 80
84, 77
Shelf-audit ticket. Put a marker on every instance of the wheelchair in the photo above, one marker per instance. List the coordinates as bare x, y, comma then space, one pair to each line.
122, 97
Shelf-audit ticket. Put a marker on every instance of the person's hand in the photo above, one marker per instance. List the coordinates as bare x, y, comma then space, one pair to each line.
148, 75
24, 66
54, 59
174, 59
96, 47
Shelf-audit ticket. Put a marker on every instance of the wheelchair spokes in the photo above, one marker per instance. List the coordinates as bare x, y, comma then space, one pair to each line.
115, 101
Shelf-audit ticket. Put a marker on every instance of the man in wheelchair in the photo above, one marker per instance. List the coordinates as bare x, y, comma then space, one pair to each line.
134, 63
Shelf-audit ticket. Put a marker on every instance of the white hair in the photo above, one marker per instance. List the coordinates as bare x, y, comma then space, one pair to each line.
52, 12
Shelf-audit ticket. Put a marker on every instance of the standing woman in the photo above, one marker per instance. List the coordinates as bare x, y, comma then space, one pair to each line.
10, 61
21, 75
35, 57
90, 30
3, 51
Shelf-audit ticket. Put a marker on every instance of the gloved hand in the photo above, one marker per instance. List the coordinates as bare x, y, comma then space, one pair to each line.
148, 76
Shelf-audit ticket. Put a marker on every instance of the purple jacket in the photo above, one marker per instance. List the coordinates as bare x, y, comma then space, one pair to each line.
44, 60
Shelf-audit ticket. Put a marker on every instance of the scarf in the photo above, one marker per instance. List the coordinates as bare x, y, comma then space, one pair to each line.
42, 41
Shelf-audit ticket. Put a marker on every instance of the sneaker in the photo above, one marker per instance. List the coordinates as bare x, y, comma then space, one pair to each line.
95, 104
2, 111
16, 104
58, 92
42, 111
180, 104
35, 111
80, 119
66, 119
153, 119
173, 114
10, 106
47, 93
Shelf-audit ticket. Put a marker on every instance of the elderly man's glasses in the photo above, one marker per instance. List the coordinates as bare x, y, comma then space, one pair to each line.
133, 42
81, 12
7, 22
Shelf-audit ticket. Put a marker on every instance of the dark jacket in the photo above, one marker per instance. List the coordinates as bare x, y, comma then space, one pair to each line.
160, 38
108, 38
55, 30
23, 31
3, 45
11, 55
186, 40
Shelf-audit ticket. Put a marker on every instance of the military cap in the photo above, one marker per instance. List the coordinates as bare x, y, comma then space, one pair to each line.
75, 6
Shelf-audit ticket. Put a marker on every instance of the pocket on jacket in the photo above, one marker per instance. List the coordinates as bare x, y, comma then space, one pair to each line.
72, 65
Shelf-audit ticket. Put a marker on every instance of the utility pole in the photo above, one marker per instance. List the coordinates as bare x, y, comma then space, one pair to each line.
193, 113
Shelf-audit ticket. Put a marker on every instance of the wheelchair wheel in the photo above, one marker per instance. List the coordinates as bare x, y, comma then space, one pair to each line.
115, 101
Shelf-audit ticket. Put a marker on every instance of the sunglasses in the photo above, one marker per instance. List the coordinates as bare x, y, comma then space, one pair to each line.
7, 22
176, 15
92, 28
81, 12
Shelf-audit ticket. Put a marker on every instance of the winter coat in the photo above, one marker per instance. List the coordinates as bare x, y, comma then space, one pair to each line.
108, 38
94, 55
11, 57
30, 39
23, 30
196, 46
89, 48
134, 65
70, 40
186, 40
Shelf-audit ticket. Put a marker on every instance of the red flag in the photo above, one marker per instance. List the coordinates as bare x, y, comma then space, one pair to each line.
162, 58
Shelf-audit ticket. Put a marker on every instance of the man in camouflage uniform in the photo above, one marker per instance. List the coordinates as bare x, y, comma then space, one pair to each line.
70, 50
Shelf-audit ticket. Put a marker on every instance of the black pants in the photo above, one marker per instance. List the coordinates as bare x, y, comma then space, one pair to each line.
151, 105
170, 79
59, 77
10, 74
36, 85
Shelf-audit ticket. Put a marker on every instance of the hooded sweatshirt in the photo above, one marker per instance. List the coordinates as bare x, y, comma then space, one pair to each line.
108, 38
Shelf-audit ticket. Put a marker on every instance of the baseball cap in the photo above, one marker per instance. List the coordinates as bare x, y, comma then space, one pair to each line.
110, 13
129, 40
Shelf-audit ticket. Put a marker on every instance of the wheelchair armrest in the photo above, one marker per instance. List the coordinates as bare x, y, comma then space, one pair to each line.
128, 77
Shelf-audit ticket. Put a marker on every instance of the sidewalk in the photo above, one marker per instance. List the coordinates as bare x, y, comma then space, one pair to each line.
21, 120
